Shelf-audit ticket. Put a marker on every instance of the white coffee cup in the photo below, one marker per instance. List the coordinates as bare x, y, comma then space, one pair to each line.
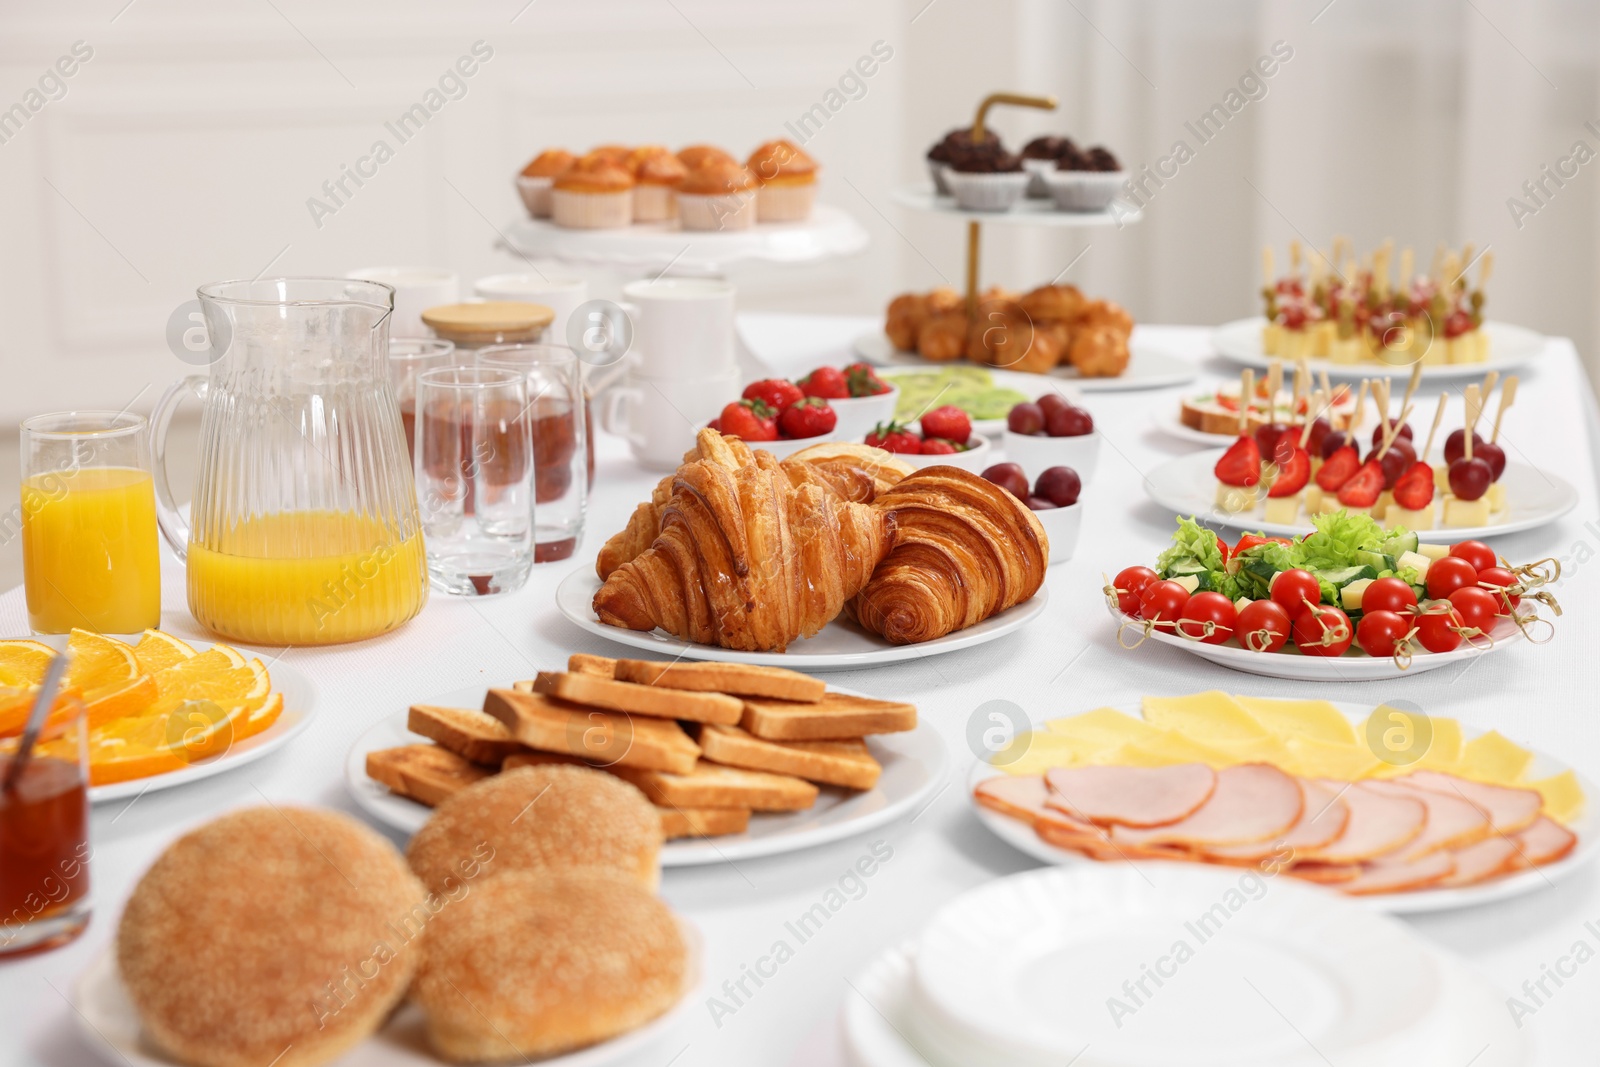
661, 416
563, 294
416, 289
682, 327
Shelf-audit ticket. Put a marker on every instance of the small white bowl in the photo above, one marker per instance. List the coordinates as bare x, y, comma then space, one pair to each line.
1062, 526
859, 414
974, 459
1084, 190
986, 191
1037, 454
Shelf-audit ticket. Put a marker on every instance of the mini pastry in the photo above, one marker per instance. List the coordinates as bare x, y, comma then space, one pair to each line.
948, 148
697, 155
788, 182
1084, 181
655, 194
717, 195
614, 154
984, 178
907, 312
1098, 352
533, 184
597, 199
1048, 302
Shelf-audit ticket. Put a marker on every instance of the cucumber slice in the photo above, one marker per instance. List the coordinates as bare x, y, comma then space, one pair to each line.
1399, 543
1343, 576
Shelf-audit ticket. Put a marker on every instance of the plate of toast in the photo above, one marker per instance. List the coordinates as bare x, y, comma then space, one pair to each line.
741, 760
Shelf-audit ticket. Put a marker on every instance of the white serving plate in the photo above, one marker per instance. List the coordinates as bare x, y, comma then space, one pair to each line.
1027, 211
1168, 422
1295, 934
1022, 837
1510, 347
913, 767
1354, 666
108, 1024
1188, 486
1149, 366
839, 646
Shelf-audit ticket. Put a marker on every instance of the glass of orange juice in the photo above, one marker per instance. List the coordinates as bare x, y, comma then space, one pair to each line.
89, 556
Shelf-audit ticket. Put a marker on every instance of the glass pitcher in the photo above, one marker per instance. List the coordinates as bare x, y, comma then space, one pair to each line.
303, 528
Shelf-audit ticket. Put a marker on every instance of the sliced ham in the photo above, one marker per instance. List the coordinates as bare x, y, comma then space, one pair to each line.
1377, 824
1251, 802
1452, 821
1324, 873
1322, 818
1021, 797
1544, 842
1131, 796
1481, 861
1398, 876
1509, 809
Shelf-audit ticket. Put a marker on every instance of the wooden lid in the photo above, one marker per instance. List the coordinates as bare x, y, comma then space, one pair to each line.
489, 321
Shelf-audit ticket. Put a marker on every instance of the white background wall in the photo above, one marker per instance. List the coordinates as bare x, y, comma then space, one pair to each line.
184, 151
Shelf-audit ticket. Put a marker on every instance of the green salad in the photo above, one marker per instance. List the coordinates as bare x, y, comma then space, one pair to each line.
971, 389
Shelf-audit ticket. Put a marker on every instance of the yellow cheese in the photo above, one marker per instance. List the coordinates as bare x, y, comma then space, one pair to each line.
1563, 796
1312, 757
1291, 718
1491, 758
1038, 751
1444, 753
1166, 748
1102, 727
1206, 717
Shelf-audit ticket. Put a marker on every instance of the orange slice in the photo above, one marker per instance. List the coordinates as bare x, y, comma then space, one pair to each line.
23, 663
212, 676
116, 701
99, 661
143, 745
157, 651
260, 719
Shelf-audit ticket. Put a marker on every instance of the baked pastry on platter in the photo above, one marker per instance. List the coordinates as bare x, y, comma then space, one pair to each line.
1051, 326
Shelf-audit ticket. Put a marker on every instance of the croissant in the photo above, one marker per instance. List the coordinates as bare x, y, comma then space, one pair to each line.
746, 560
965, 549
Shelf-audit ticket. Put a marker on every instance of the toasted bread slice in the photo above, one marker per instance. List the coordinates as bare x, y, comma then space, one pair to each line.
425, 773
703, 822
465, 731
710, 785
599, 666
530, 758
846, 763
638, 699
606, 738
741, 679
835, 716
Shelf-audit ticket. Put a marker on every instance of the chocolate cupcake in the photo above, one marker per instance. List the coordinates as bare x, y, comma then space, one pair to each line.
944, 150
985, 177
1085, 181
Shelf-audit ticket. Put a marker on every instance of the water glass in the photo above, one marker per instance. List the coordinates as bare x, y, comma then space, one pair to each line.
88, 521
408, 358
475, 478
560, 441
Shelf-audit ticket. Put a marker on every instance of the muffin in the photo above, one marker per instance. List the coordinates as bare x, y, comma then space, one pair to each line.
593, 199
1039, 156
717, 196
271, 935
533, 184
985, 178
655, 194
698, 154
534, 964
788, 182
1085, 181
614, 154
945, 150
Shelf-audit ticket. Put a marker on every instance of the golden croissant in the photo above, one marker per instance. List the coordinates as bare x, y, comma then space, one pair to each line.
965, 549
747, 560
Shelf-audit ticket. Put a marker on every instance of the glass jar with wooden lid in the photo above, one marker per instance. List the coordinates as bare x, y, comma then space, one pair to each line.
491, 322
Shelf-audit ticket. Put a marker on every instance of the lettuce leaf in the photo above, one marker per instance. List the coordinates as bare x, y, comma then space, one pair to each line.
1192, 541
1338, 537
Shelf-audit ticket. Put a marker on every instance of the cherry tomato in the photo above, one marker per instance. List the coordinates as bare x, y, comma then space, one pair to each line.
1292, 589
1323, 630
1447, 575
1129, 583
1163, 602
1477, 607
1380, 632
1480, 555
1500, 577
1213, 608
1389, 594
1439, 627
1263, 626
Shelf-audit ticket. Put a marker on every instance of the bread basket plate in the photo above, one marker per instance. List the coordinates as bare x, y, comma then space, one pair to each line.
109, 1024
913, 769
1510, 347
1022, 837
839, 646
1187, 486
1149, 366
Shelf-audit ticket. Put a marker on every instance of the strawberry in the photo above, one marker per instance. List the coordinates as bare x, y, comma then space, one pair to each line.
809, 416
1338, 469
939, 446
894, 437
862, 380
774, 392
750, 420
948, 422
1241, 463
1293, 474
1361, 490
826, 382
1414, 490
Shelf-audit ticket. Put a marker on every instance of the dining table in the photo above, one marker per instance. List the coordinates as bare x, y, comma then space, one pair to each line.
1066, 660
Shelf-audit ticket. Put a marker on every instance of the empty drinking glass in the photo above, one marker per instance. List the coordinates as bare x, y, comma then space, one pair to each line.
475, 478
408, 358
560, 478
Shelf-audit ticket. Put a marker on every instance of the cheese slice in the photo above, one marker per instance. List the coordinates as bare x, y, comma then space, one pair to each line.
1492, 758
1312, 757
1037, 751
1166, 748
1206, 717
1317, 719
1102, 726
1563, 796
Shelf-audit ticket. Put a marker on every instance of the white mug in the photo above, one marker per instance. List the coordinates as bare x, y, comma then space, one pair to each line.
661, 416
682, 327
416, 289
560, 293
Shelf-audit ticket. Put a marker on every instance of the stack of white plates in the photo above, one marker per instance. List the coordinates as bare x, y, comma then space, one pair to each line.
1148, 965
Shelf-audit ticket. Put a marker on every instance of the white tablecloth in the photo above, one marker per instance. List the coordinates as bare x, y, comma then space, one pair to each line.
1065, 662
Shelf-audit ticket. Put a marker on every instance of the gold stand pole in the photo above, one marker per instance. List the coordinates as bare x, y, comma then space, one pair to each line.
974, 228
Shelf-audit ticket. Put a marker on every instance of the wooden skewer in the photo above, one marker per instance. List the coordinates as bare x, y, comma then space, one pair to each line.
1274, 385
1380, 397
1302, 378
1267, 277
1508, 396
1247, 385
1474, 409
1490, 380
1393, 433
1484, 265
1438, 417
1358, 416
1322, 378
1411, 386
1407, 265
1294, 257
1315, 403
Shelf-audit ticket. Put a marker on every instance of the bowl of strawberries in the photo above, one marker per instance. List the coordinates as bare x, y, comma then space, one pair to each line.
942, 436
857, 395
829, 404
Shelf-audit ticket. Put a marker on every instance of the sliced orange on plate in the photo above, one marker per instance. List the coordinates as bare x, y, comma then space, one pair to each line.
156, 651
23, 662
